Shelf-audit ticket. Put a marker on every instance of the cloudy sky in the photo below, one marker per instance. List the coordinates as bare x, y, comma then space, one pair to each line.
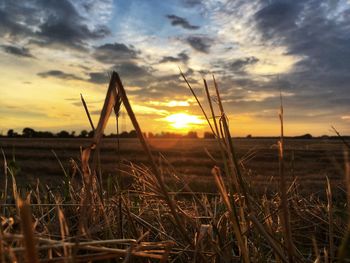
51, 51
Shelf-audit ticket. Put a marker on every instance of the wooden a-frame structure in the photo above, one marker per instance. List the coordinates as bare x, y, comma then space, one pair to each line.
116, 96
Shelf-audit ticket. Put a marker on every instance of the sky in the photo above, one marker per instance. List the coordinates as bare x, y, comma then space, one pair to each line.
53, 50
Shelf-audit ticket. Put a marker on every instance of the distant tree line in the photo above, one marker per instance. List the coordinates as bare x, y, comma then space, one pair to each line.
31, 133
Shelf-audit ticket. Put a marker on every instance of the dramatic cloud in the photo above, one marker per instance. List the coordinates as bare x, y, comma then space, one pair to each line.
64, 25
100, 10
309, 31
181, 57
15, 18
162, 90
200, 43
316, 32
45, 23
98, 77
131, 74
278, 16
180, 21
240, 64
112, 53
56, 31
254, 49
58, 74
17, 51
132, 70
192, 3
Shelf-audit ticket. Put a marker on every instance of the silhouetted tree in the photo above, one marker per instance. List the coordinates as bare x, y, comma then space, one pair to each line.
249, 136
305, 136
192, 135
132, 134
63, 134
91, 134
28, 132
208, 135
43, 134
124, 134
11, 133
112, 135
83, 134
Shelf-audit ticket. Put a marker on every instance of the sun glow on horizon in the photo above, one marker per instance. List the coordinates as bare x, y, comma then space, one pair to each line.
183, 121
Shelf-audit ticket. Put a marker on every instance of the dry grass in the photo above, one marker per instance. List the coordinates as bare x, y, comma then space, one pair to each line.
80, 221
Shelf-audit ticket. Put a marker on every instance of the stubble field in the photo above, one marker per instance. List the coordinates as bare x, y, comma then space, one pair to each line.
184, 209
310, 161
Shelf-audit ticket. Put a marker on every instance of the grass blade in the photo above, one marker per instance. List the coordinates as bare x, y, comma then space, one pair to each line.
87, 112
27, 229
283, 191
330, 219
195, 96
233, 218
344, 252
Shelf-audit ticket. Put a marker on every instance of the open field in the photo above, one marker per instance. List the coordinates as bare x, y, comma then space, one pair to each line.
309, 160
155, 203
110, 200
155, 222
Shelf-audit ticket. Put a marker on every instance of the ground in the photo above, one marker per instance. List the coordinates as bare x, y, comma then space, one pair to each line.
308, 160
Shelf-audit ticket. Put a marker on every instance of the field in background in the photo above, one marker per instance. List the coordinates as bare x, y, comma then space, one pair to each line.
309, 160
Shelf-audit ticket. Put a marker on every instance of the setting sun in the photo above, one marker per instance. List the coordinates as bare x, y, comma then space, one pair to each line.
183, 120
